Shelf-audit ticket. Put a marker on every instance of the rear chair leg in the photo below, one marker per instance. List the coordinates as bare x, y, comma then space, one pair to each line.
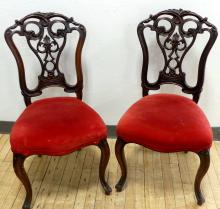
105, 154
18, 164
120, 155
203, 168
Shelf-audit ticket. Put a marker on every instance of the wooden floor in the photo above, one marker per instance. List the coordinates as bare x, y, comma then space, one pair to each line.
155, 180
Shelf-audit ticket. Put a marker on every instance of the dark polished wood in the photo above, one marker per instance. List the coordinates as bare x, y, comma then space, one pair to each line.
105, 154
47, 44
174, 41
120, 155
174, 45
203, 168
18, 164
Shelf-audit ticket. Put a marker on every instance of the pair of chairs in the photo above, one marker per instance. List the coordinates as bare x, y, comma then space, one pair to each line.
161, 122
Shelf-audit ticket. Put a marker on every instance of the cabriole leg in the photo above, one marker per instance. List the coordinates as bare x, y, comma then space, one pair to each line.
203, 168
18, 164
105, 154
119, 152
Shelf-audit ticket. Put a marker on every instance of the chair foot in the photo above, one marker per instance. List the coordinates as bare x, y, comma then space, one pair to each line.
119, 152
203, 168
18, 164
105, 154
120, 185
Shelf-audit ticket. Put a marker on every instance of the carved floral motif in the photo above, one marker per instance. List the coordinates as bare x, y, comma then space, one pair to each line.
176, 32
46, 35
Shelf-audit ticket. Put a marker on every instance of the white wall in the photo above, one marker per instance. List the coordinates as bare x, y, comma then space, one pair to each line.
112, 54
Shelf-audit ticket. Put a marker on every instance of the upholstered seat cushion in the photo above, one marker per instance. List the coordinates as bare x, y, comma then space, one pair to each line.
56, 126
166, 123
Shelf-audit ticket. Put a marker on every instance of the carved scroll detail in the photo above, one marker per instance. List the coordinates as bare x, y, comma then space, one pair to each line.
176, 32
46, 35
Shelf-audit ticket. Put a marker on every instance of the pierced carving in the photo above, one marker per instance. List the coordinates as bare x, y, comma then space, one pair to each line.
46, 35
175, 39
172, 46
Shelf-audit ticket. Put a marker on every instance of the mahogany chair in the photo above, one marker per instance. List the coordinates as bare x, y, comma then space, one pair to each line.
53, 126
169, 122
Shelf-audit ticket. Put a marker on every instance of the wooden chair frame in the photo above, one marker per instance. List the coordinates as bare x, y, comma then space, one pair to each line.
47, 46
174, 43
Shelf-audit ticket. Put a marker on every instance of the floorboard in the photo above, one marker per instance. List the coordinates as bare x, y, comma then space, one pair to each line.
155, 180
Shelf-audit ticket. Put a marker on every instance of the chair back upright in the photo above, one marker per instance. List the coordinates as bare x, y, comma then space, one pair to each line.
47, 43
176, 32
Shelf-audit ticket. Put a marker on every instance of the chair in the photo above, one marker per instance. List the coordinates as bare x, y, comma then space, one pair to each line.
169, 122
54, 126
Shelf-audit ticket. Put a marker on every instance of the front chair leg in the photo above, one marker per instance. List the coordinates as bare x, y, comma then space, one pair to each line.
105, 154
120, 155
18, 164
203, 168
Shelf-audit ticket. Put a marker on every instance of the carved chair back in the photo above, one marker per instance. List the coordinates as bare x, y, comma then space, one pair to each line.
175, 41
47, 43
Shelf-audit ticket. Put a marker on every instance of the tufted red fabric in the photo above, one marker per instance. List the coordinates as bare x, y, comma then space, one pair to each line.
166, 123
56, 126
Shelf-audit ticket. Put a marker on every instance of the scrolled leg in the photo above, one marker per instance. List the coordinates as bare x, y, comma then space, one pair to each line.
18, 164
119, 152
203, 168
105, 155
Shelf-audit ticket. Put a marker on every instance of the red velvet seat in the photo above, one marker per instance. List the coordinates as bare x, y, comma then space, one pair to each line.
56, 126
166, 123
